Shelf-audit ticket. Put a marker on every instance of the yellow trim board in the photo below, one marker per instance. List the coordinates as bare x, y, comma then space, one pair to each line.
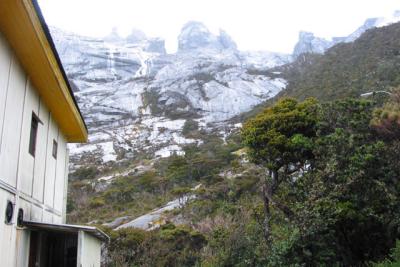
22, 27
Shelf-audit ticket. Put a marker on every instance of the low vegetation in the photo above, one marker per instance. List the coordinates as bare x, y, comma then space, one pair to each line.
97, 201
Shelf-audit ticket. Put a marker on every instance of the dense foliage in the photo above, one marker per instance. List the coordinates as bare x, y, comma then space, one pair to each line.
281, 136
347, 205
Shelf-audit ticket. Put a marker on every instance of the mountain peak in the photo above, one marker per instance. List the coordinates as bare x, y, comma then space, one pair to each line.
195, 34
195, 26
136, 36
309, 43
113, 36
226, 40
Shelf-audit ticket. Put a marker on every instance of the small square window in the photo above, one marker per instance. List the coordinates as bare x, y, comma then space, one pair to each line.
33, 136
55, 148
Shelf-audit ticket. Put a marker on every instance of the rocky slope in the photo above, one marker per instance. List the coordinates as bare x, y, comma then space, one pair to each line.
136, 98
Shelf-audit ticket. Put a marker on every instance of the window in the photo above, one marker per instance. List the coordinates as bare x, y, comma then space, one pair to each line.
34, 129
55, 147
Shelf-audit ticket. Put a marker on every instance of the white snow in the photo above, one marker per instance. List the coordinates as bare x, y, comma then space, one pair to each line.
98, 136
108, 151
79, 149
169, 151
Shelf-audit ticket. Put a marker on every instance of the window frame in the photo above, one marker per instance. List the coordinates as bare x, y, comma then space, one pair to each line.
54, 150
33, 134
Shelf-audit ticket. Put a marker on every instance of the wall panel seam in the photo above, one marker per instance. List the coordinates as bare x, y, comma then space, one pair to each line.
5, 102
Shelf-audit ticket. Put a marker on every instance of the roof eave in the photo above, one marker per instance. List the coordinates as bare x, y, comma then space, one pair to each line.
24, 27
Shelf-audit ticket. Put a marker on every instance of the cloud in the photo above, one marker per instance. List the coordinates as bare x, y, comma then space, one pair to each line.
253, 24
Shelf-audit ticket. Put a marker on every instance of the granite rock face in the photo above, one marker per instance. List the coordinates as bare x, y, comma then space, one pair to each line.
195, 35
136, 98
309, 43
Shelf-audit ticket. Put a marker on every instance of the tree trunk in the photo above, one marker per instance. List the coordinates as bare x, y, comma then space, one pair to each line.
267, 215
268, 191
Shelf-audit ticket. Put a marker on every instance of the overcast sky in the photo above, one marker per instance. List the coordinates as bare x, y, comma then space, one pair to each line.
253, 24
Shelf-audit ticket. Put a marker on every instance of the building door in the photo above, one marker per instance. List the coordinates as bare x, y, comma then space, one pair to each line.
48, 249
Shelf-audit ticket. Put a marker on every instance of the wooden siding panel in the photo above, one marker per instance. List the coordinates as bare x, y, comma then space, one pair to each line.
36, 213
7, 232
5, 62
60, 173
64, 211
40, 159
12, 124
47, 217
57, 219
26, 160
50, 165
89, 250
22, 250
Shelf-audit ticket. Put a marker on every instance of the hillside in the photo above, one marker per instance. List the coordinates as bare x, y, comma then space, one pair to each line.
370, 63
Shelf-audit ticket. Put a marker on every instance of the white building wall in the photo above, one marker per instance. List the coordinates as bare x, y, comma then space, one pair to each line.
60, 174
26, 160
7, 232
12, 124
89, 250
47, 216
39, 171
51, 162
5, 64
36, 213
64, 207
22, 249
23, 236
34, 183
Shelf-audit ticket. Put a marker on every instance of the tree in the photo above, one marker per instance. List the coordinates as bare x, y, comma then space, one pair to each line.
281, 139
348, 204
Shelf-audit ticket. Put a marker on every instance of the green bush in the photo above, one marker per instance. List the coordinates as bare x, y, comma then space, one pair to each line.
96, 203
84, 173
190, 127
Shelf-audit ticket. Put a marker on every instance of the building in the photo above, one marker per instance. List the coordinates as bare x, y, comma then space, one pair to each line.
38, 117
